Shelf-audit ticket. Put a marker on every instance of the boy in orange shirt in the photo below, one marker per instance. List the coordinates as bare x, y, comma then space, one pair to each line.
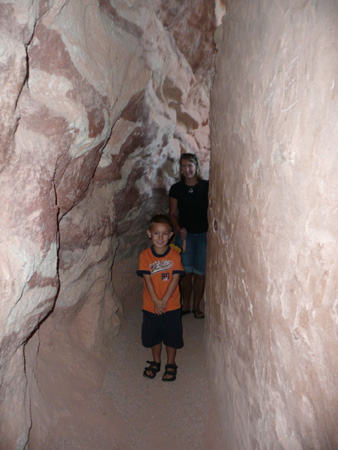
161, 268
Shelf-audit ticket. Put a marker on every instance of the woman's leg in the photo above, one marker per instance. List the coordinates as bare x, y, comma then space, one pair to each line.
186, 290
186, 281
199, 283
199, 275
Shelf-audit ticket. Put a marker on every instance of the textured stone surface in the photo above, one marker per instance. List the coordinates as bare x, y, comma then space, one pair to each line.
272, 264
97, 102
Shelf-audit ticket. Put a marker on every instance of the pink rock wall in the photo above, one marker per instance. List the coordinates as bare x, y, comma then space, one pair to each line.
97, 102
272, 255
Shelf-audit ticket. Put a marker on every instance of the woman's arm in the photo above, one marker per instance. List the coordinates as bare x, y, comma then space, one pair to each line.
173, 215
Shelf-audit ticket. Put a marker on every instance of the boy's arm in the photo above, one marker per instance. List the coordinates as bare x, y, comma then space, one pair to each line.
171, 288
158, 304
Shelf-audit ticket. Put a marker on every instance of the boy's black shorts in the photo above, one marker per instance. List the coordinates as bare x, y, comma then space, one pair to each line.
166, 328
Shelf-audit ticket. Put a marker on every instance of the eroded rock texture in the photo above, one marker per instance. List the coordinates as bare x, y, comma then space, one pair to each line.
272, 267
98, 99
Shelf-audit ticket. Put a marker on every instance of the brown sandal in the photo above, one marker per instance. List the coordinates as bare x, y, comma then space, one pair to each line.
153, 368
170, 371
198, 314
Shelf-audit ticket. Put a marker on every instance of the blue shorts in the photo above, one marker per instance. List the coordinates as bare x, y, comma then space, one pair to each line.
166, 328
193, 259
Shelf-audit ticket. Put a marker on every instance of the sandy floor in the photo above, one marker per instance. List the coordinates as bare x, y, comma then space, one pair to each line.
134, 412
163, 415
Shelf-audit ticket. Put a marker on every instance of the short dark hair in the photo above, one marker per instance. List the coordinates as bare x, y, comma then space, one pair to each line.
160, 218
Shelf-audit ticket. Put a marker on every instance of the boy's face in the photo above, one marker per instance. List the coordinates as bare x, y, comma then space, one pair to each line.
160, 234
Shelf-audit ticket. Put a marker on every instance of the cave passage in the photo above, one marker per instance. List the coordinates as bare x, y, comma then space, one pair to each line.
98, 102
133, 412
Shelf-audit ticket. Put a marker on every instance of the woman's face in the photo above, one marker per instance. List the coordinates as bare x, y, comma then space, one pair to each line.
188, 169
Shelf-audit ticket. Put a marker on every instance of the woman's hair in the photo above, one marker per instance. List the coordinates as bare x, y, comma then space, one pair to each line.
192, 158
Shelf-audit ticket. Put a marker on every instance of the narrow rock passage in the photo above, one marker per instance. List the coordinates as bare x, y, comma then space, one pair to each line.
131, 412
176, 415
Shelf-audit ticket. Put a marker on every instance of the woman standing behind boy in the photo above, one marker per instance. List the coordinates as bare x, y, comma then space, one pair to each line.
188, 206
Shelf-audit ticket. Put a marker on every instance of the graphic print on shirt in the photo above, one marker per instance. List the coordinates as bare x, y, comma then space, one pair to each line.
160, 266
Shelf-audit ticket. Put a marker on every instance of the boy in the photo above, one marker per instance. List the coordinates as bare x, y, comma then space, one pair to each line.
161, 268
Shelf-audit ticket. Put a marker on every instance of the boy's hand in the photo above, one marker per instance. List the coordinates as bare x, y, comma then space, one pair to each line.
159, 306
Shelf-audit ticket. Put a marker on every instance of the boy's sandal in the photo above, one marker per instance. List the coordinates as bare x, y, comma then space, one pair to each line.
170, 372
198, 314
152, 369
185, 311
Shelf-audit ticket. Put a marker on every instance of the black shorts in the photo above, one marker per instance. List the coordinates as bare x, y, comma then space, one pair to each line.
166, 328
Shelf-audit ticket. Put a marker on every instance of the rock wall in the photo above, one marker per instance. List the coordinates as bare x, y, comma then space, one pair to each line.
98, 99
272, 255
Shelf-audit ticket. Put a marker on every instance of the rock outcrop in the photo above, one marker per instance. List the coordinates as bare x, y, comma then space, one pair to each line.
97, 102
272, 268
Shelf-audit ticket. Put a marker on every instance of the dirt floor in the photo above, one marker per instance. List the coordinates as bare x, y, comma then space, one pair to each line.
134, 412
